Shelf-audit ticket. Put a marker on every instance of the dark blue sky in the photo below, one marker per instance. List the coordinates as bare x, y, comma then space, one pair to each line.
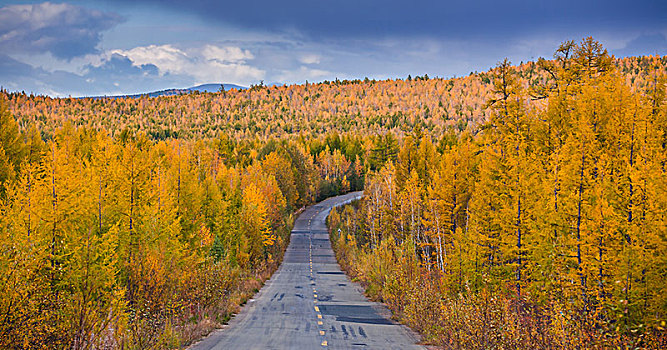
127, 46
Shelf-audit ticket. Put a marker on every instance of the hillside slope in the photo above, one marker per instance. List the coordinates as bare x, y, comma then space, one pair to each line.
366, 106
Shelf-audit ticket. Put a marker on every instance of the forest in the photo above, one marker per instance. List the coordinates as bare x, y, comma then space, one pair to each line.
520, 207
127, 242
545, 229
353, 107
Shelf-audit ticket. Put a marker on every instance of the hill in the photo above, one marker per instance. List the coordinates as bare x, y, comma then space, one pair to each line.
215, 87
364, 106
174, 92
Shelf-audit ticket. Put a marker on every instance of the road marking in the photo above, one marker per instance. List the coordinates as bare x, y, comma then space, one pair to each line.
319, 316
319, 323
321, 332
324, 343
317, 309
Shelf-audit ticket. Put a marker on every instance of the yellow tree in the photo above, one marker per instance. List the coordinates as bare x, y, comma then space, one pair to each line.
650, 178
407, 160
279, 166
583, 173
274, 201
97, 301
411, 200
12, 149
256, 224
551, 129
509, 136
130, 194
24, 287
439, 211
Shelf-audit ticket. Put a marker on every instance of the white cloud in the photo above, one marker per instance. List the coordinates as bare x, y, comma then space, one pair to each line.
226, 54
310, 59
166, 57
206, 64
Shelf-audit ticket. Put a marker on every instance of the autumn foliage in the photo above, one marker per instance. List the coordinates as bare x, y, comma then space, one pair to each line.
125, 242
545, 228
358, 107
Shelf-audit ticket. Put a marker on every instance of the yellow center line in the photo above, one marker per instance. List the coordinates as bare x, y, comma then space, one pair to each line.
321, 332
324, 343
317, 309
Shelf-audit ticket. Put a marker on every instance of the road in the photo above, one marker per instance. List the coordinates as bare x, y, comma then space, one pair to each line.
309, 303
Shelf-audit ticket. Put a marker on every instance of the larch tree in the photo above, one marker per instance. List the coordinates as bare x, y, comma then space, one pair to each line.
509, 135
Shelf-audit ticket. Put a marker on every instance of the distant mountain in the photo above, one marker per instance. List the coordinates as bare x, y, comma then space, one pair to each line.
171, 92
215, 87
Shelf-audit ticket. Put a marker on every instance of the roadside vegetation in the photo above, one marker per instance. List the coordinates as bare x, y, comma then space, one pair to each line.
545, 229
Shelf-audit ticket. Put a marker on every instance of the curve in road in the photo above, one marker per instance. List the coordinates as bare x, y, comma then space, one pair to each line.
309, 303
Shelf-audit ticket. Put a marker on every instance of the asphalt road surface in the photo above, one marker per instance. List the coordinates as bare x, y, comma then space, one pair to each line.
309, 303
